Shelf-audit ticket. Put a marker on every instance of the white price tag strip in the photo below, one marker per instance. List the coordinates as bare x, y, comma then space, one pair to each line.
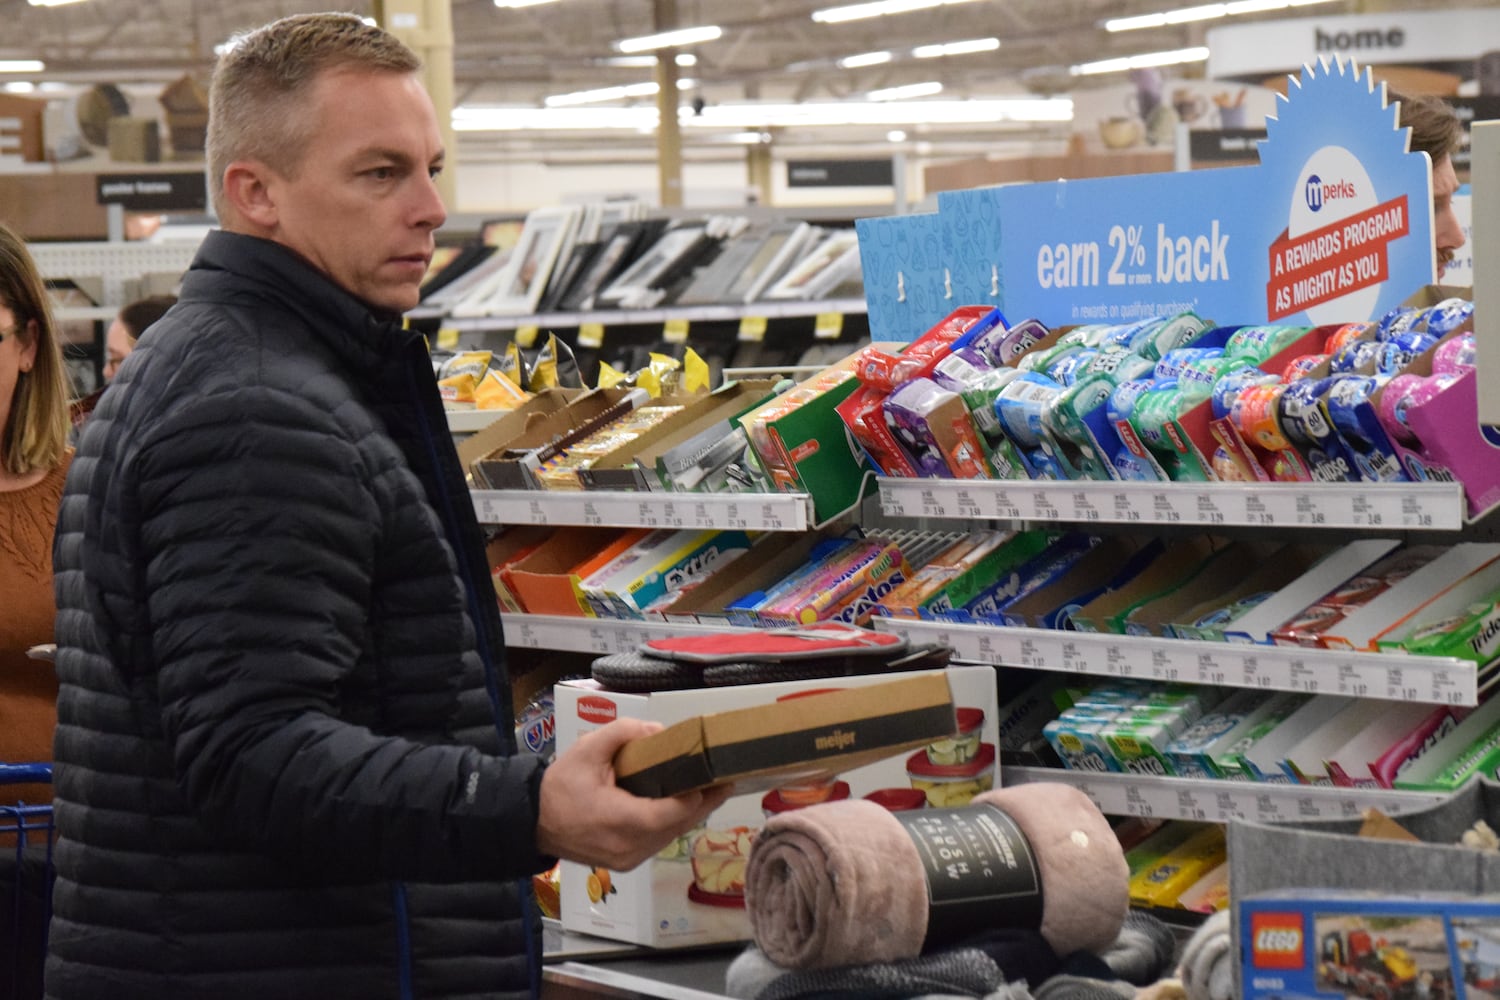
1389, 676
1326, 505
754, 512
590, 635
1219, 801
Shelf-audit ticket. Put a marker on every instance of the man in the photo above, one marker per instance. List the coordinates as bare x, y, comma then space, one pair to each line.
285, 761
1435, 130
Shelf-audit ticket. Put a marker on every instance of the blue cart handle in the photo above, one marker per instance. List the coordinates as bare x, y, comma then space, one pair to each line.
20, 774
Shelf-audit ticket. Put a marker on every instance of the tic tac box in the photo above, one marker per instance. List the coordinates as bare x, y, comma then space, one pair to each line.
692, 893
1343, 943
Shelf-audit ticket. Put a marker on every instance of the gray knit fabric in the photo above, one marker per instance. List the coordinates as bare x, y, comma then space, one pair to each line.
966, 972
1144, 951
1084, 988
1207, 967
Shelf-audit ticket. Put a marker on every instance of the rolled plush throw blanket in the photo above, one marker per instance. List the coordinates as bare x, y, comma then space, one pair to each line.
844, 882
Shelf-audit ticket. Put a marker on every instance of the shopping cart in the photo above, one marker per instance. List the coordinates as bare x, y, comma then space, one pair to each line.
26, 834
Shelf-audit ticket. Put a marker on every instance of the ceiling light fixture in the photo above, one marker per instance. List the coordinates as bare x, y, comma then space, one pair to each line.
963, 48
603, 94
50, 3
516, 4
865, 59
905, 91
759, 117
20, 87
647, 62
1197, 53
878, 8
670, 39
22, 65
895, 135
1204, 12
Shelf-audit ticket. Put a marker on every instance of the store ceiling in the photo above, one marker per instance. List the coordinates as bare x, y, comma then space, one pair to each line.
771, 49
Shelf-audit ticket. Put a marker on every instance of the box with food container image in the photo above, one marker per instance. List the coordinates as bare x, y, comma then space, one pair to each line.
692, 892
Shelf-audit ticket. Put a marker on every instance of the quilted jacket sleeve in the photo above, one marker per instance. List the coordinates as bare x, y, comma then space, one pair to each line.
259, 528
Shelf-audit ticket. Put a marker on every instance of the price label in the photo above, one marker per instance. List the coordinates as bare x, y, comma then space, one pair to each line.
1005, 507
447, 338
828, 326
1136, 803
966, 505
1073, 659
526, 335
591, 335
1030, 657
599, 641
535, 512
1209, 670
591, 515
1188, 807
752, 329
675, 331
1352, 681
1208, 509
485, 511
770, 518
525, 635
1117, 662
1125, 509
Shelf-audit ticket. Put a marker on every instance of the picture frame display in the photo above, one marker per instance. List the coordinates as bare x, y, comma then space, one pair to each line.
518, 287
657, 260
829, 264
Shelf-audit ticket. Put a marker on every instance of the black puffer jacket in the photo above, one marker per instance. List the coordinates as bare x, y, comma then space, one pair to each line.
283, 752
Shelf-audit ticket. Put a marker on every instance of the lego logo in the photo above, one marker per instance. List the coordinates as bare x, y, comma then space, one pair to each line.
595, 709
1276, 940
1283, 939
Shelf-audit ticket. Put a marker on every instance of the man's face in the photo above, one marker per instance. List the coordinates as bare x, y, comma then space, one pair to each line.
362, 206
1447, 232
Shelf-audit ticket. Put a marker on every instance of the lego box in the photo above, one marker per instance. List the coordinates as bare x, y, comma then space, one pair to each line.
1343, 944
692, 893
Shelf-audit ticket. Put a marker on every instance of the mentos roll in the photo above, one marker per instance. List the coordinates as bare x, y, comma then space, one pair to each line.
1122, 400
1003, 347
1175, 331
1301, 366
1172, 363
1156, 408
1063, 416
1124, 335
1232, 381
1226, 468
1065, 369
1259, 343
1021, 404
1044, 464
1255, 411
1345, 335
1398, 351
1119, 364
1130, 467
1447, 316
1199, 376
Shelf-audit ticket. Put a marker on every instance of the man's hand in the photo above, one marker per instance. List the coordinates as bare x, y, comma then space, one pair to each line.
586, 817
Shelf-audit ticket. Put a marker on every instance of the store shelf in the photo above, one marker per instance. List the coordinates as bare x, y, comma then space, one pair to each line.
589, 635
643, 317
1220, 801
747, 511
1395, 506
1389, 676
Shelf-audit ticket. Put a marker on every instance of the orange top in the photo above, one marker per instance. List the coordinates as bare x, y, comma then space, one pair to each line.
28, 688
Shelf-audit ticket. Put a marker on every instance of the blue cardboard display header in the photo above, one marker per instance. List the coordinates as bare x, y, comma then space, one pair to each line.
1334, 225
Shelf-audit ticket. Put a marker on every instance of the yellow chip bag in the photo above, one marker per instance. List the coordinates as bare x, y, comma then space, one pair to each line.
457, 388
496, 392
610, 376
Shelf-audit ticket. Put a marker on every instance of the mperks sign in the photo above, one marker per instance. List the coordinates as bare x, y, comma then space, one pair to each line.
1333, 225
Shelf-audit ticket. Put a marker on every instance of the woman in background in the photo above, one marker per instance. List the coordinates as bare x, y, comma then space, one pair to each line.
119, 341
34, 459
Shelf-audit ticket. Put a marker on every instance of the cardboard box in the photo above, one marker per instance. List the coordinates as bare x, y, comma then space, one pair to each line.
702, 423
806, 448
1329, 573
662, 903
803, 739
514, 464
1343, 943
508, 425
1170, 570
549, 581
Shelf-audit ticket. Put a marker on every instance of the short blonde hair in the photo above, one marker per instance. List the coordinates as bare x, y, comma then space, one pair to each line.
257, 99
36, 436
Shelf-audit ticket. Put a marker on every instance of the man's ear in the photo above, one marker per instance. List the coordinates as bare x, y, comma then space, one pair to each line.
247, 190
